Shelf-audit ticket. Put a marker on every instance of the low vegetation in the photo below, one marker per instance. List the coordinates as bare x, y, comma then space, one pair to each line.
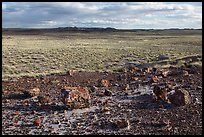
92, 51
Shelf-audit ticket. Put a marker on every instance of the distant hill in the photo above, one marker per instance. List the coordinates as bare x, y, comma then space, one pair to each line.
37, 31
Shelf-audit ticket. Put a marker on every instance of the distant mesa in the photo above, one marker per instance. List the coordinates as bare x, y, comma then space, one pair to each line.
84, 28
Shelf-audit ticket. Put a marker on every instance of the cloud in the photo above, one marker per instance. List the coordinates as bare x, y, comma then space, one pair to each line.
101, 14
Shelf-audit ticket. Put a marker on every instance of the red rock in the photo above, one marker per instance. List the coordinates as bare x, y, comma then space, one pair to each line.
4, 92
52, 129
104, 83
160, 92
16, 113
135, 70
161, 106
33, 112
37, 122
32, 92
148, 70
120, 123
76, 97
135, 78
168, 128
154, 79
44, 99
180, 97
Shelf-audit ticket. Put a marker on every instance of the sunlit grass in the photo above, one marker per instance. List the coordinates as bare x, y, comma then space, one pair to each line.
35, 54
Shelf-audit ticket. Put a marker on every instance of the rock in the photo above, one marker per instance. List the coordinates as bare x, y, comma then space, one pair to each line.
71, 72
163, 57
198, 88
75, 97
108, 92
135, 78
4, 92
93, 88
158, 72
127, 87
37, 121
154, 79
174, 73
104, 109
16, 113
164, 74
120, 123
154, 70
44, 99
148, 70
135, 70
33, 112
180, 97
193, 69
32, 92
185, 73
104, 83
167, 128
165, 122
160, 92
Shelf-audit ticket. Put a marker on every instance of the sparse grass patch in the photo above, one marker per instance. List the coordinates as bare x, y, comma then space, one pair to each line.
35, 54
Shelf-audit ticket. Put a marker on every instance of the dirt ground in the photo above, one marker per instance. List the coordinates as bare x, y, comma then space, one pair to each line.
134, 103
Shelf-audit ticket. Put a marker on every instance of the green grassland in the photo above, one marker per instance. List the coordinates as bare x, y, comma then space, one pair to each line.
92, 51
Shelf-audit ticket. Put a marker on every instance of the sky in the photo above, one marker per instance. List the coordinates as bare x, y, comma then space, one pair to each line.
119, 15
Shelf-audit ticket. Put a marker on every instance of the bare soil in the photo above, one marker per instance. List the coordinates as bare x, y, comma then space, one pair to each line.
136, 105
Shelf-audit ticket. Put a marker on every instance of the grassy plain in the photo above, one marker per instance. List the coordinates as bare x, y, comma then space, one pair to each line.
54, 52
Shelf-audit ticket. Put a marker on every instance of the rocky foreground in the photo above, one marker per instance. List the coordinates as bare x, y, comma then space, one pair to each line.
141, 101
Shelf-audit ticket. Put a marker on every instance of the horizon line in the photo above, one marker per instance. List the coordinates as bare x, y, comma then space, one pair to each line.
95, 28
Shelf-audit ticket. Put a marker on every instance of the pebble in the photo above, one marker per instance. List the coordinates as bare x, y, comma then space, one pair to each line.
37, 122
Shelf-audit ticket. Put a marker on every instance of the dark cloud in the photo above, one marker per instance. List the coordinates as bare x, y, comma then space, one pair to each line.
111, 14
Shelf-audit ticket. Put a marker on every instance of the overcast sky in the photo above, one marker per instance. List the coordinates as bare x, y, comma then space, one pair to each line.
120, 15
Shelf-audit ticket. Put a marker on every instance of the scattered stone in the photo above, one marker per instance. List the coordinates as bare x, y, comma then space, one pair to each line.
154, 70
167, 128
166, 122
161, 106
108, 92
104, 109
174, 72
44, 100
135, 70
93, 88
198, 88
163, 57
4, 92
33, 112
37, 121
154, 79
127, 87
75, 97
120, 123
185, 73
180, 97
165, 74
104, 83
160, 92
135, 78
16, 113
71, 72
32, 92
